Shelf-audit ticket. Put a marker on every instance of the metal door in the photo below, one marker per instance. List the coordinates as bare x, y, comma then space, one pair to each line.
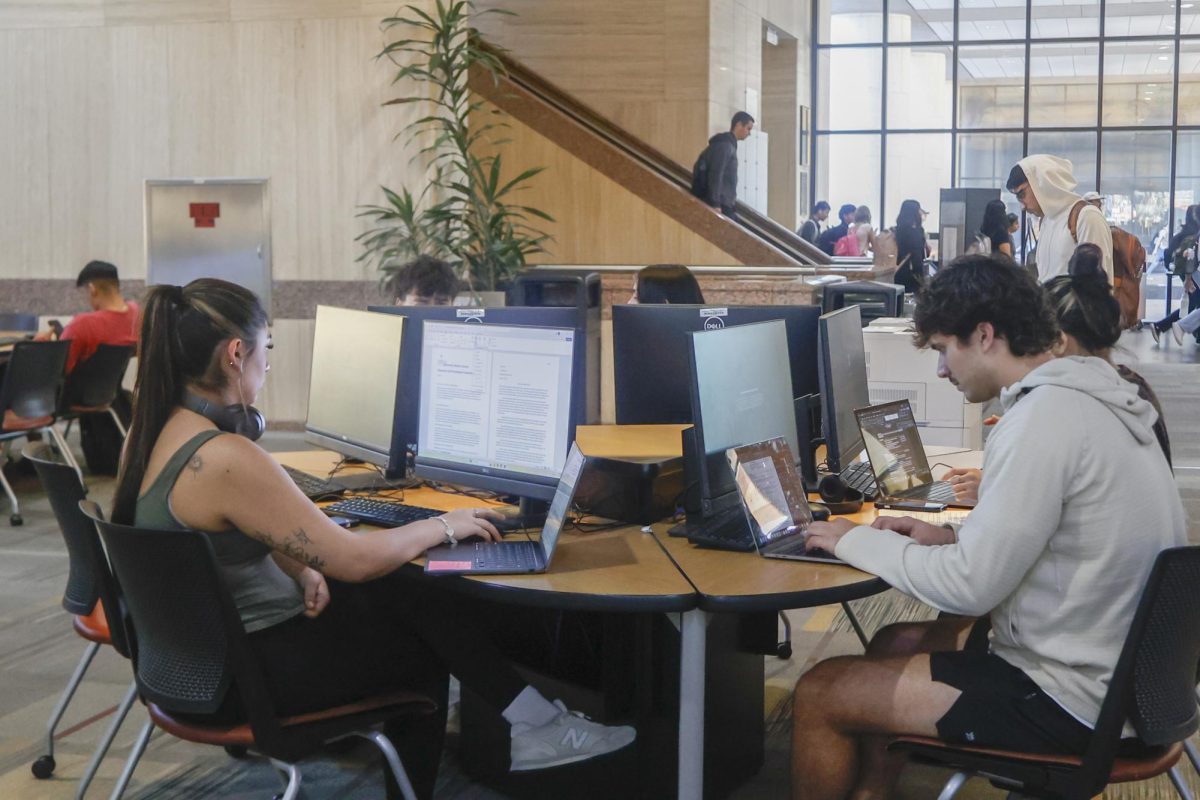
209, 228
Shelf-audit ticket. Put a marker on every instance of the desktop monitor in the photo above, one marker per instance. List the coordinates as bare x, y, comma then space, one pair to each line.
352, 386
843, 376
650, 354
496, 406
740, 394
405, 442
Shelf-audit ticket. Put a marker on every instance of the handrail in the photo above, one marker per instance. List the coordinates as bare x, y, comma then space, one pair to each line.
778, 236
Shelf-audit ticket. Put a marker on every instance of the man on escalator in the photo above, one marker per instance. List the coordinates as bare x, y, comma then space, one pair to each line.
714, 177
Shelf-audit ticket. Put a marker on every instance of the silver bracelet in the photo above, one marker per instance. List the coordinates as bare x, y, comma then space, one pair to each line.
450, 540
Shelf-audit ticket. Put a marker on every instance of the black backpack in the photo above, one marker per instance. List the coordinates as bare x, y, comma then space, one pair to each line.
1183, 260
101, 440
700, 176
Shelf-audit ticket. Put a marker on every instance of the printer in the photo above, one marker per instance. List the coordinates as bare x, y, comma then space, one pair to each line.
896, 370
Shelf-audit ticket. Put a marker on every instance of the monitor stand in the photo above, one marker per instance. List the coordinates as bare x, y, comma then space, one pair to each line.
533, 512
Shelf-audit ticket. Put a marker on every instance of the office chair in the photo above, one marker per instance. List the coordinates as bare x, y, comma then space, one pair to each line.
29, 400
83, 598
189, 649
1153, 686
93, 385
874, 298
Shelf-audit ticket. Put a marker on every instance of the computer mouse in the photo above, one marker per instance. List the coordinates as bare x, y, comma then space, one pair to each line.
820, 511
509, 522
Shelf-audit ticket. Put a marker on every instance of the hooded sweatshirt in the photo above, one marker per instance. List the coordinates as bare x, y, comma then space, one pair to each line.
721, 156
1053, 183
1076, 502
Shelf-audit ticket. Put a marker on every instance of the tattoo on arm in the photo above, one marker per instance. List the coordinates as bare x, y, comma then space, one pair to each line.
195, 464
292, 546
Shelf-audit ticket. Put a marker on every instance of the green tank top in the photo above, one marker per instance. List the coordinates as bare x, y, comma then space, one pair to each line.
263, 593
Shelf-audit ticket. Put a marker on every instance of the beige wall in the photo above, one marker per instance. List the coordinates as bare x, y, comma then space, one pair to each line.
640, 63
99, 96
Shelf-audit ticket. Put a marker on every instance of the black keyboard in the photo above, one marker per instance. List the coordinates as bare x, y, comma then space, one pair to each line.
859, 476
514, 556
380, 512
312, 486
936, 492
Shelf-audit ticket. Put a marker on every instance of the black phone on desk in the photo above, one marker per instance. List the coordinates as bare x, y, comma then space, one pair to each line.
343, 522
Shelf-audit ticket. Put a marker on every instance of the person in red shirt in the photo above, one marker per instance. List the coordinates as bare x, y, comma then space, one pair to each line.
112, 320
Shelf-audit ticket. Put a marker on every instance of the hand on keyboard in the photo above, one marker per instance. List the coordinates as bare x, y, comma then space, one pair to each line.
474, 522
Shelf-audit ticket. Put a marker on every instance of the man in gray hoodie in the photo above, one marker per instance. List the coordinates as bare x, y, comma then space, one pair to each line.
714, 177
1075, 504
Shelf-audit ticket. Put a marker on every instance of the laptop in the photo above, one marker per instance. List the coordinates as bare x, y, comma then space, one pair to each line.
774, 500
506, 558
897, 457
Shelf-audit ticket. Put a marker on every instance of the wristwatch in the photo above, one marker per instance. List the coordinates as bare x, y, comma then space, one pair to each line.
450, 540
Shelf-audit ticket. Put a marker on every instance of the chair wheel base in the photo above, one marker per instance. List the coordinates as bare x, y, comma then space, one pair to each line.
15, 520
236, 751
784, 650
43, 768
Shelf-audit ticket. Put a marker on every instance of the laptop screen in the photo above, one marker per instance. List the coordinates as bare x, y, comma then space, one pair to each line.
561, 504
771, 490
894, 447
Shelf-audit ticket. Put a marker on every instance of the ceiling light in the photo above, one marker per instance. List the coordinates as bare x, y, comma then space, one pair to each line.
1162, 58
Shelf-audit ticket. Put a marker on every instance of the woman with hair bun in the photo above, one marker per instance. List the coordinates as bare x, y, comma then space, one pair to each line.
325, 617
1090, 319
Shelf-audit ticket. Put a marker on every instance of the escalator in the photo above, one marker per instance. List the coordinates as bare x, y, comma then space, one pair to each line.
533, 100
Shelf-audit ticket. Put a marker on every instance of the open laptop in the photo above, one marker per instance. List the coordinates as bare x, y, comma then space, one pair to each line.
774, 500
504, 558
897, 457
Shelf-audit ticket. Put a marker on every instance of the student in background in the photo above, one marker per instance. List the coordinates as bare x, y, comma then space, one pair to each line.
995, 227
1043, 513
863, 231
828, 240
112, 320
308, 592
666, 283
911, 246
1188, 234
425, 281
815, 225
714, 176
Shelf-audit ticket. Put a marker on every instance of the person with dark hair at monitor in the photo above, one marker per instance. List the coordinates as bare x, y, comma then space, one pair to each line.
994, 227
830, 237
308, 592
112, 320
714, 175
1090, 319
911, 247
815, 225
425, 281
1072, 468
666, 283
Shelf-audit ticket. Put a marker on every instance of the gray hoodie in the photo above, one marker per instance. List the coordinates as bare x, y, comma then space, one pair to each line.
1053, 183
1075, 503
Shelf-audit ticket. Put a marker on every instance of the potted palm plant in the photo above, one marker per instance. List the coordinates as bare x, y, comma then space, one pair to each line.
465, 212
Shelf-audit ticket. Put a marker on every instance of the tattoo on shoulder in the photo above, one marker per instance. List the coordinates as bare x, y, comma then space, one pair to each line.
195, 464
293, 546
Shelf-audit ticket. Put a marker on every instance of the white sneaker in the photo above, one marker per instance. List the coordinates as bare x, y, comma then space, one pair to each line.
1155, 333
1177, 332
566, 739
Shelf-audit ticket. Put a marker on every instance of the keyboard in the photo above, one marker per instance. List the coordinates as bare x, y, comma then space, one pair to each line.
312, 486
514, 556
936, 492
859, 476
380, 512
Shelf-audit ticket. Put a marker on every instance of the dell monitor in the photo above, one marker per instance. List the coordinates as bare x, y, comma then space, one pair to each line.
352, 386
843, 376
496, 407
405, 442
740, 394
650, 355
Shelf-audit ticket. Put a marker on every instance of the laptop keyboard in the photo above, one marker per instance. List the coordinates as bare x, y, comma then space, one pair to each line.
506, 555
794, 546
936, 492
380, 512
312, 486
859, 476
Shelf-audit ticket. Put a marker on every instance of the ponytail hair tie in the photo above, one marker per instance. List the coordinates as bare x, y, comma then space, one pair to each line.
175, 295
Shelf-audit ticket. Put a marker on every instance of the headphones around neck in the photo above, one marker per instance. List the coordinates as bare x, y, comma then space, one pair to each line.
245, 420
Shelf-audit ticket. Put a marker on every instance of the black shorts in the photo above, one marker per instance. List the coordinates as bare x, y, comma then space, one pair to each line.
1002, 707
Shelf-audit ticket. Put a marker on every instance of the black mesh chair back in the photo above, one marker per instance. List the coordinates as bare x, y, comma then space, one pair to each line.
34, 378
179, 615
18, 322
94, 383
62, 486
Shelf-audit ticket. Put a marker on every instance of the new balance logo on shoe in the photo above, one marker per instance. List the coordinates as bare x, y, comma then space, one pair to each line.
574, 738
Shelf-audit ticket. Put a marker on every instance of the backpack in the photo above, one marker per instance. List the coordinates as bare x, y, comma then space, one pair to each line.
885, 250
847, 245
1183, 260
700, 176
979, 245
1129, 259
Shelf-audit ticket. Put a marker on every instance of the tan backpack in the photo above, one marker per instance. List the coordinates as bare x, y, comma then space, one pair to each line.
1129, 259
